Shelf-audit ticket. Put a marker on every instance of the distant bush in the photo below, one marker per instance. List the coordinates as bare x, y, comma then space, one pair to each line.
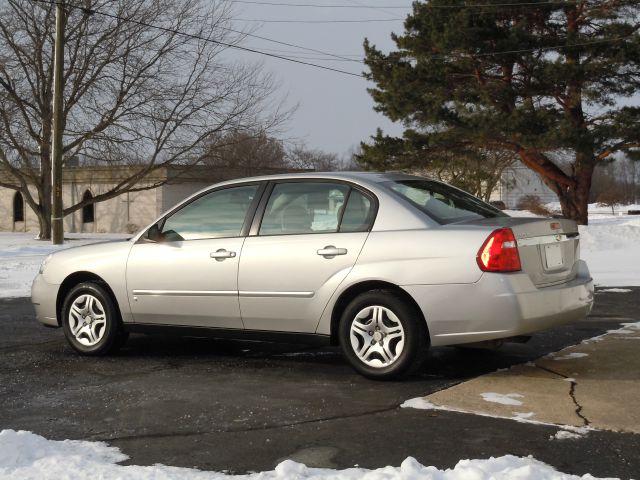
132, 228
533, 204
498, 204
610, 198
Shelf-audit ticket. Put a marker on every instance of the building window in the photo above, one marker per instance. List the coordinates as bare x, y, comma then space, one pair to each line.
88, 211
18, 207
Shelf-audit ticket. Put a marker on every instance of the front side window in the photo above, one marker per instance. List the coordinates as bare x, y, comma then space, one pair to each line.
299, 207
215, 215
441, 202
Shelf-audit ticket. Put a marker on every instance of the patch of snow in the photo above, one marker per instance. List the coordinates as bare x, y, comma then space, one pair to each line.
21, 255
631, 326
565, 435
420, 403
615, 290
24, 455
502, 398
580, 430
522, 415
522, 213
570, 356
569, 379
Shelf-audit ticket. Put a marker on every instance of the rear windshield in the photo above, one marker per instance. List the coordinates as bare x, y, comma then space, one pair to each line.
441, 202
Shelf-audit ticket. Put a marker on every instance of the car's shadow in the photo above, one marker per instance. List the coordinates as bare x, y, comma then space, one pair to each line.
450, 363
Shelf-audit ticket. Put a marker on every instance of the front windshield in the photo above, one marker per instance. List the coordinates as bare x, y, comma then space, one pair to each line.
441, 202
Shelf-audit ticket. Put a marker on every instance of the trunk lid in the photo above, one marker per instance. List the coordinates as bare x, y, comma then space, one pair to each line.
549, 248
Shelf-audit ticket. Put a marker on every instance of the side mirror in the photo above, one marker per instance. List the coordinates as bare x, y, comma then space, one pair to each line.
154, 233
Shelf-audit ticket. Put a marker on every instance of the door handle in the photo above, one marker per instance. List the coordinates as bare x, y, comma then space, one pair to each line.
221, 254
330, 251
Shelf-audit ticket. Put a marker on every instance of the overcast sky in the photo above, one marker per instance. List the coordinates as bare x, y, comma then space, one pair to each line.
335, 111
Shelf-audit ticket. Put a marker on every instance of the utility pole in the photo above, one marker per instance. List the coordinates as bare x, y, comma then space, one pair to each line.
57, 227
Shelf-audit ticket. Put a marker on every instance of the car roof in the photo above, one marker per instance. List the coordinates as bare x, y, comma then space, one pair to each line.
356, 177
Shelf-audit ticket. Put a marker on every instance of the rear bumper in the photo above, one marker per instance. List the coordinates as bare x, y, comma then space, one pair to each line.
500, 306
43, 297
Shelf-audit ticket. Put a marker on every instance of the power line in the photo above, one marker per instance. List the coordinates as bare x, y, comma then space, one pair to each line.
324, 67
409, 7
316, 5
199, 37
293, 45
490, 5
366, 20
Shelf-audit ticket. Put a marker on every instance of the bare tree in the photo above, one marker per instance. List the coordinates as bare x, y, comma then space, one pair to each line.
245, 151
134, 95
299, 156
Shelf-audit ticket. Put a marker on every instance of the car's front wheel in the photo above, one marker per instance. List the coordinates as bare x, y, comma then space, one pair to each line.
91, 321
382, 335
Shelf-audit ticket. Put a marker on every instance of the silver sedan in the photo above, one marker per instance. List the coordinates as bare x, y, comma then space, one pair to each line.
385, 265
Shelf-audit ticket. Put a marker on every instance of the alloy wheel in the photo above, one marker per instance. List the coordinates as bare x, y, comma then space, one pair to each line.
377, 336
87, 320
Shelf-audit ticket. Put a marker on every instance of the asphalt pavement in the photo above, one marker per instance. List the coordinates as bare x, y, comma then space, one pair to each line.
245, 406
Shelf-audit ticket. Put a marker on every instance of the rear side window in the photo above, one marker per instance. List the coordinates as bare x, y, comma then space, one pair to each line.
299, 208
357, 213
441, 202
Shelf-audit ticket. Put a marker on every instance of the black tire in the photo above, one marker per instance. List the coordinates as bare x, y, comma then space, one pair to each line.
108, 335
416, 337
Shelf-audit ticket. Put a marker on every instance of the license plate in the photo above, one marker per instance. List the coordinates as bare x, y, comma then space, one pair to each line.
553, 255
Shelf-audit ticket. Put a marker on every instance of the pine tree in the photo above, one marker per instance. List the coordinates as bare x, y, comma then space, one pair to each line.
549, 80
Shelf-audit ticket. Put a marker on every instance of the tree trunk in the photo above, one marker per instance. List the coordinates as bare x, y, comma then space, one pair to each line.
575, 201
43, 211
44, 221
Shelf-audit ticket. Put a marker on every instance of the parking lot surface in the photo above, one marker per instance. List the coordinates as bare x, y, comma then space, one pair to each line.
245, 406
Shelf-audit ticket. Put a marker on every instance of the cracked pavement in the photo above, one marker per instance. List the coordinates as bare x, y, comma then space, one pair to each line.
593, 384
245, 406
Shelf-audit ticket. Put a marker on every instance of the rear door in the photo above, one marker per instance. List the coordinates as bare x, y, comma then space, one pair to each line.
307, 241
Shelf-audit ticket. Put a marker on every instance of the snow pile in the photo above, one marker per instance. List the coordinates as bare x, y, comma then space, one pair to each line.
611, 247
24, 456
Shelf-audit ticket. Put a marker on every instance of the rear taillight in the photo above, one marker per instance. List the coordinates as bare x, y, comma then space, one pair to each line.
499, 252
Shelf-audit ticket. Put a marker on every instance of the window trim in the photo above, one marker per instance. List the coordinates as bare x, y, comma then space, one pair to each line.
246, 224
260, 211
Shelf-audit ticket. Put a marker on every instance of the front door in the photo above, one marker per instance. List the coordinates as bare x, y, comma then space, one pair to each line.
309, 239
187, 275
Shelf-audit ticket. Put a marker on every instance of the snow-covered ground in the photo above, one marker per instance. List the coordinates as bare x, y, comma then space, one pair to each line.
24, 456
610, 244
21, 255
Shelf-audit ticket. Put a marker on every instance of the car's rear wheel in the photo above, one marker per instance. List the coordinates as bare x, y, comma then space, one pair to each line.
382, 335
91, 321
